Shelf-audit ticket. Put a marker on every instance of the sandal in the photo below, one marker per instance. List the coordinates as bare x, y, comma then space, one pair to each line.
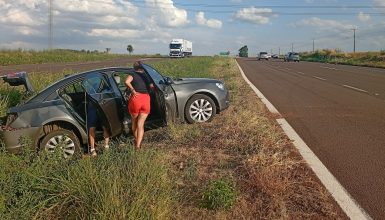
93, 152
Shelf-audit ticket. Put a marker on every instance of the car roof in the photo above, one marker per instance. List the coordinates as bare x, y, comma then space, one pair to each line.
41, 96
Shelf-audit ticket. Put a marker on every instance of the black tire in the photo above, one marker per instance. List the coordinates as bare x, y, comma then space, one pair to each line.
64, 139
199, 108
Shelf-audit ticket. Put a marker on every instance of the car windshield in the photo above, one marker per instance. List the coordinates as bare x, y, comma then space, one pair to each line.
263, 53
175, 46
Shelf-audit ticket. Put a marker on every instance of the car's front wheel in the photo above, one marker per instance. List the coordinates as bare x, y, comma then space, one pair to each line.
200, 108
62, 140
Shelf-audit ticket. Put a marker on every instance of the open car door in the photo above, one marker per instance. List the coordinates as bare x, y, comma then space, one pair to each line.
17, 79
101, 95
164, 94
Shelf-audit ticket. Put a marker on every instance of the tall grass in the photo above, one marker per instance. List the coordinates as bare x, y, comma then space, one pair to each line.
119, 184
188, 67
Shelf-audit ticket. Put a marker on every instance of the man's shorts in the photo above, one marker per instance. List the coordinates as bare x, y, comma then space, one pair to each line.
139, 104
92, 117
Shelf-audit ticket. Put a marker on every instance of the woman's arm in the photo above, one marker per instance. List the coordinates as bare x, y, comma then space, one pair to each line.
129, 85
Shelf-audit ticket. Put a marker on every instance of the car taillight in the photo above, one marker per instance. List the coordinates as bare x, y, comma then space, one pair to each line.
10, 119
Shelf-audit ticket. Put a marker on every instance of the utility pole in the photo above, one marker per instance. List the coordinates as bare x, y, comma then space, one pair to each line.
292, 47
50, 24
354, 39
279, 51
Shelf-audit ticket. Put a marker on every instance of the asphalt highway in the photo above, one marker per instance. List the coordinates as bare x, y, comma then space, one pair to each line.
339, 111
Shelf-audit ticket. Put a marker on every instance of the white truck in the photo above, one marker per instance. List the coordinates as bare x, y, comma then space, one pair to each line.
180, 48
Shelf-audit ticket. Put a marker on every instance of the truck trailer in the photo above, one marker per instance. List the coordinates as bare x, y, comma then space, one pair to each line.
180, 48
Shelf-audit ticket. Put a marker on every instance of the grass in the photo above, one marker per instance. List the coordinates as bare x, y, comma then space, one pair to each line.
120, 184
16, 57
239, 166
370, 59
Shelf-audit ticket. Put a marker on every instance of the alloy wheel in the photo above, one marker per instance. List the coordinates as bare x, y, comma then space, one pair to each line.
201, 110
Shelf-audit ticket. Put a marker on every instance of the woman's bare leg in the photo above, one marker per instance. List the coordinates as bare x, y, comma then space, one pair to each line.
140, 129
134, 121
106, 136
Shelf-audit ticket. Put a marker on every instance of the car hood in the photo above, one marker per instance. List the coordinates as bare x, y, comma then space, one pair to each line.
179, 81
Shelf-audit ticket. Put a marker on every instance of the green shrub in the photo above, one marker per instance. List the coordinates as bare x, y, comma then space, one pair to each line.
219, 194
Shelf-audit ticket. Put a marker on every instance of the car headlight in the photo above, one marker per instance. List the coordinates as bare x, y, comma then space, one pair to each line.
220, 86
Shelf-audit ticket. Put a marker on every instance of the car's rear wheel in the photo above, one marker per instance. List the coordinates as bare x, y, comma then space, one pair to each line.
200, 108
62, 140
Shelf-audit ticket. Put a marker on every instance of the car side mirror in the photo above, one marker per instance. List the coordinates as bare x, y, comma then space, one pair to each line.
168, 80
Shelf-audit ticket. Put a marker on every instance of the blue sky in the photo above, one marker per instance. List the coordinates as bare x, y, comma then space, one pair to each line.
213, 26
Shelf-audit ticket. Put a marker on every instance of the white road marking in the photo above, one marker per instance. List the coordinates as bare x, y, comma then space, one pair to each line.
339, 193
354, 88
330, 68
319, 78
376, 94
287, 68
300, 72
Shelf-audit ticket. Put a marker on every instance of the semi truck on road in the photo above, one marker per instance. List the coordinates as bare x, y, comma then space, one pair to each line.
180, 48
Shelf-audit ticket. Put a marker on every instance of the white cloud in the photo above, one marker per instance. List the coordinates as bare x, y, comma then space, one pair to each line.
212, 23
115, 33
18, 17
167, 14
255, 15
379, 3
323, 24
363, 17
96, 7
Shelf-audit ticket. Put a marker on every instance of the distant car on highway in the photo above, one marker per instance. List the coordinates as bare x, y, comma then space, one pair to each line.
291, 56
275, 56
55, 118
263, 55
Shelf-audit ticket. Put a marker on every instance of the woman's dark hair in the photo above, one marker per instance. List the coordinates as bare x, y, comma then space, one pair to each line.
138, 65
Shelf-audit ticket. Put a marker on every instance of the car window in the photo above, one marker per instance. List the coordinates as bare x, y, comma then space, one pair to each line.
158, 79
74, 88
96, 84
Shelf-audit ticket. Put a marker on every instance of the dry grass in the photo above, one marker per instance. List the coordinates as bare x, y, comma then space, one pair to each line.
245, 145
